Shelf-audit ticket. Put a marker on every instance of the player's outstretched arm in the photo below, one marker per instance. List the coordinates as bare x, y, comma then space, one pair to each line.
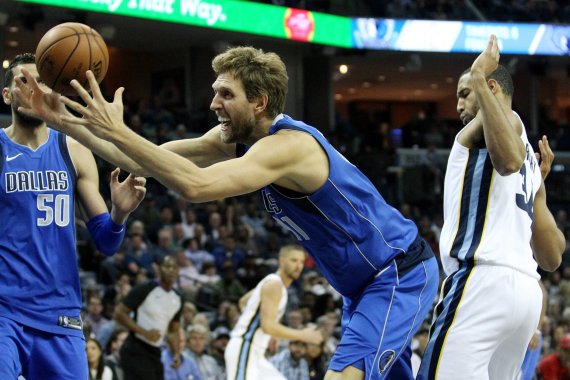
501, 135
270, 298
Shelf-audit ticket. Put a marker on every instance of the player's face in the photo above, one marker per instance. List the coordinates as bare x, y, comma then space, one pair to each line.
24, 120
292, 264
235, 113
467, 106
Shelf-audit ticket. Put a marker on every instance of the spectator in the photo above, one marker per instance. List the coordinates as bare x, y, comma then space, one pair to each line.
112, 351
184, 367
292, 363
196, 349
95, 314
556, 366
97, 368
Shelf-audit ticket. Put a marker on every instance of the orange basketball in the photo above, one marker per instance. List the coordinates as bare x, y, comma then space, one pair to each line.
66, 52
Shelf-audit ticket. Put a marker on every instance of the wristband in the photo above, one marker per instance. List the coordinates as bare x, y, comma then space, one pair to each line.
106, 234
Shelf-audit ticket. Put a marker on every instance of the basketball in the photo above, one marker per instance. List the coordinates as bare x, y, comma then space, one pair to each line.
66, 52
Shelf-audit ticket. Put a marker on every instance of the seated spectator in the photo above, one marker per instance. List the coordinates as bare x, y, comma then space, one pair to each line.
95, 314
292, 363
228, 288
218, 344
196, 349
556, 366
176, 364
317, 360
197, 255
112, 352
97, 368
229, 250
140, 257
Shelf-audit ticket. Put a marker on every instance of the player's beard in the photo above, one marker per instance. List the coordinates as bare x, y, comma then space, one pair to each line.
25, 120
239, 131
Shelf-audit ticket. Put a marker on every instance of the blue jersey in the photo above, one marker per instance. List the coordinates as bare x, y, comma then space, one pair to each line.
39, 282
346, 226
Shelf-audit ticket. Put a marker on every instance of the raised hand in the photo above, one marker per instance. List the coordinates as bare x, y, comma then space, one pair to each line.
128, 194
488, 60
102, 118
545, 157
39, 101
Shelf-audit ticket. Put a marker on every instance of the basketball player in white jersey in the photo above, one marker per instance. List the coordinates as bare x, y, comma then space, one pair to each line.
497, 226
262, 308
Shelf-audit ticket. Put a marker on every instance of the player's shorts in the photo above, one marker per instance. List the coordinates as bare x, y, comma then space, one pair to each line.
483, 325
38, 355
378, 326
246, 362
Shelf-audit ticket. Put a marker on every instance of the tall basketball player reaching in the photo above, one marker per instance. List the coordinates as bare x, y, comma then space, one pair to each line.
496, 224
366, 249
43, 174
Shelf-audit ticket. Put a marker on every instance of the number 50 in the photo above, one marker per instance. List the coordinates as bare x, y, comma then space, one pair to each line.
55, 208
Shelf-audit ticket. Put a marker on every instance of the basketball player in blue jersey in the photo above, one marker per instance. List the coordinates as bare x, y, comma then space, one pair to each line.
43, 175
497, 227
366, 249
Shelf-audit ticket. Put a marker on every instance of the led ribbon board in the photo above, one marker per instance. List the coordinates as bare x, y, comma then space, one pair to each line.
459, 36
233, 15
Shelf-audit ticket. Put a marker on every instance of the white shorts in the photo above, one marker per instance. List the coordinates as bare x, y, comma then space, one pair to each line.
248, 363
483, 325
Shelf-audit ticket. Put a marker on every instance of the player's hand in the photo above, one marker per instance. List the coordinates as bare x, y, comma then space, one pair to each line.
312, 335
152, 335
126, 195
37, 100
103, 119
488, 60
535, 340
545, 157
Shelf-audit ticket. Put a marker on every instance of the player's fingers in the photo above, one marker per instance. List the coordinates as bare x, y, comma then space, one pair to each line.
115, 175
73, 105
81, 91
93, 85
140, 180
119, 95
30, 80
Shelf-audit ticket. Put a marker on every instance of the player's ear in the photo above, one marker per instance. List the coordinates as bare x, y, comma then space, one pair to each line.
6, 96
493, 86
261, 103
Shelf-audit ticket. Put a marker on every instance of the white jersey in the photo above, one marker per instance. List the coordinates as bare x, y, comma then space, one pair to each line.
488, 218
245, 353
248, 325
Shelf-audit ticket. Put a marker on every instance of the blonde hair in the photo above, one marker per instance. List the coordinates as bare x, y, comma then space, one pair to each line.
260, 73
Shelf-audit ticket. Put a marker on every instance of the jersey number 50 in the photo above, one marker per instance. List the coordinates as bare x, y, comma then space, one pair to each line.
56, 209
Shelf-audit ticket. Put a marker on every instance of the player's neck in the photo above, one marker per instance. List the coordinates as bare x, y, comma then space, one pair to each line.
30, 136
285, 279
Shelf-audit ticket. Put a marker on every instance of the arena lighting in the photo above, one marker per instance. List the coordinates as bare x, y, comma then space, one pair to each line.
343, 69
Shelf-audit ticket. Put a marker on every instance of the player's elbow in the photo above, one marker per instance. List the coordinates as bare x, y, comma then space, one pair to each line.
551, 263
268, 327
509, 167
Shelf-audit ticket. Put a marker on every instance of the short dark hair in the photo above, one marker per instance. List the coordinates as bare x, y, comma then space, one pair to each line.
503, 77
20, 59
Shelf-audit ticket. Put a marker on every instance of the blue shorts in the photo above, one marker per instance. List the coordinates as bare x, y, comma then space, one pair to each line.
36, 354
378, 326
